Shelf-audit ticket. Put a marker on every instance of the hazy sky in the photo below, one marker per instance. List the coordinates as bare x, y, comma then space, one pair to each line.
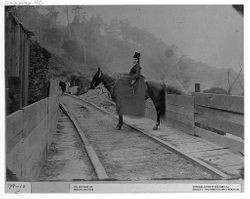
212, 34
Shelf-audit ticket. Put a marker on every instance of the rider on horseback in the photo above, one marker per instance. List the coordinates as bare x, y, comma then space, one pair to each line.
135, 71
129, 91
129, 102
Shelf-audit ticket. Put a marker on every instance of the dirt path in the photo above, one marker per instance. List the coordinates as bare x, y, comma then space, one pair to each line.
67, 159
126, 154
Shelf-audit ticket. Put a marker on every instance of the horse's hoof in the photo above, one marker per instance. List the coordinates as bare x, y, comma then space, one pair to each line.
118, 127
155, 127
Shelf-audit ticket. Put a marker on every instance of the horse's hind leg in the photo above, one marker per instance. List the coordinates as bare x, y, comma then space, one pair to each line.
120, 123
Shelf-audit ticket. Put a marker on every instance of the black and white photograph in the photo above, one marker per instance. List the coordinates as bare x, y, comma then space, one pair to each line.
124, 98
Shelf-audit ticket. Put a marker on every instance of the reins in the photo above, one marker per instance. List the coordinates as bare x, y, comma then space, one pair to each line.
112, 83
109, 84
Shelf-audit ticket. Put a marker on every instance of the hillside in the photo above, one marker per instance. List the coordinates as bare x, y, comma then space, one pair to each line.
85, 43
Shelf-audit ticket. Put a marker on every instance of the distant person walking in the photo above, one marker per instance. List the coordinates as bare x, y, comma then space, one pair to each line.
130, 89
62, 86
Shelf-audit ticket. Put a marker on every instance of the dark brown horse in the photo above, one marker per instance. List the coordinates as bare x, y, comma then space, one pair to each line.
155, 91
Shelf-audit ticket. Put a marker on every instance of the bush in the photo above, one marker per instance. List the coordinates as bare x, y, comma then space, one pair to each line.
216, 90
38, 73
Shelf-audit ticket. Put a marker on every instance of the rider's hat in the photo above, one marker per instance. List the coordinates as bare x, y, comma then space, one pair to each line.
137, 55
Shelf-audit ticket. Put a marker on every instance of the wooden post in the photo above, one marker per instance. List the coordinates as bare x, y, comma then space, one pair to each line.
21, 68
26, 71
15, 66
197, 87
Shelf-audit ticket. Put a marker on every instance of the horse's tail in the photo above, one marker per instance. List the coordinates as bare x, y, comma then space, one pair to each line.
167, 90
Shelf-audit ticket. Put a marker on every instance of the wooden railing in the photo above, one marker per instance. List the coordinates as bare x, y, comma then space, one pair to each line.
180, 112
28, 135
218, 118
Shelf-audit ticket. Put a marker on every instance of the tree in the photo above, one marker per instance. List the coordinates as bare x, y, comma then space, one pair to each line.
78, 27
52, 14
53, 36
66, 10
215, 90
73, 50
78, 12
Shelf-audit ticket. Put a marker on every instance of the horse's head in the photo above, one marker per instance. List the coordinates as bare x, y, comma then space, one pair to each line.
96, 79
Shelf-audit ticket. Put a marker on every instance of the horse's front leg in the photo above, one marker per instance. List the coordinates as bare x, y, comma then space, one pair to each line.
158, 120
120, 123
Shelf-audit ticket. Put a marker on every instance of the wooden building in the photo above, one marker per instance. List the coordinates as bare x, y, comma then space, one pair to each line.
17, 53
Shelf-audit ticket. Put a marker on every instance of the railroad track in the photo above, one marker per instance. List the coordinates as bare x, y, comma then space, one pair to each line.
67, 158
127, 154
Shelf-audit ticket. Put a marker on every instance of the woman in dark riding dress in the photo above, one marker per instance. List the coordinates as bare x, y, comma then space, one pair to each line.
129, 91
135, 71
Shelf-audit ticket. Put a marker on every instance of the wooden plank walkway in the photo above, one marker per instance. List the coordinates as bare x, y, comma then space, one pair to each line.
217, 156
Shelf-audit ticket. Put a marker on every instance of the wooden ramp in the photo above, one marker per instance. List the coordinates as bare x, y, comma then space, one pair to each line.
207, 152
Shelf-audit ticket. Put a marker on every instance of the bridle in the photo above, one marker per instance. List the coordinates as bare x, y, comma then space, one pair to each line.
109, 84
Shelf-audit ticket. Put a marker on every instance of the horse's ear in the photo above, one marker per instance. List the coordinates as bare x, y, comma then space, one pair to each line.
99, 73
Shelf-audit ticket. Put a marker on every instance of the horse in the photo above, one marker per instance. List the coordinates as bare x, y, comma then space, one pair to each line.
154, 90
